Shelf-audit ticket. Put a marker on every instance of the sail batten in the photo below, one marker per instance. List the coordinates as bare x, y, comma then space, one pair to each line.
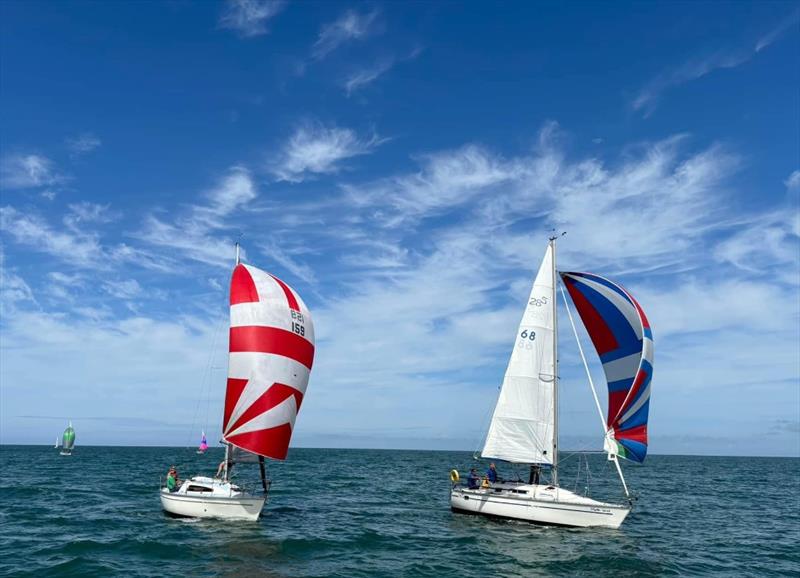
523, 423
623, 339
271, 352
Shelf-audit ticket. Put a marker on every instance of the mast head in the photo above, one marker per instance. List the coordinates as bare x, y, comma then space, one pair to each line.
238, 246
555, 235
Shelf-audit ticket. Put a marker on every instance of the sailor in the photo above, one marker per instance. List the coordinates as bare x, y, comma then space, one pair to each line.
473, 480
172, 479
491, 473
221, 468
534, 477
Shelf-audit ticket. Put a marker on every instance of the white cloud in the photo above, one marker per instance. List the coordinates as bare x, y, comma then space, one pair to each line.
792, 182
151, 363
28, 171
83, 143
316, 149
351, 25
249, 18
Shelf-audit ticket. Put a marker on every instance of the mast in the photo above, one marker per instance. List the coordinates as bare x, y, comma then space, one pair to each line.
555, 365
228, 445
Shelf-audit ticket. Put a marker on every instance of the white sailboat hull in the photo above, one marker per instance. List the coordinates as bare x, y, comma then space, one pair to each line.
220, 500
65, 452
538, 504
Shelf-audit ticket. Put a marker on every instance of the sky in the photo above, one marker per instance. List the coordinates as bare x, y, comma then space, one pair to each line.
401, 165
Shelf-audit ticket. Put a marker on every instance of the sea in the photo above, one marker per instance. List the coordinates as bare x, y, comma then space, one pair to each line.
351, 513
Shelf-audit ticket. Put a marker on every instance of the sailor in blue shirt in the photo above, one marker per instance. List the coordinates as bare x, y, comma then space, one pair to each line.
473, 481
491, 473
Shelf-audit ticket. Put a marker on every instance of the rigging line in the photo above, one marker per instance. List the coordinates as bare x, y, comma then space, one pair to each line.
211, 367
205, 386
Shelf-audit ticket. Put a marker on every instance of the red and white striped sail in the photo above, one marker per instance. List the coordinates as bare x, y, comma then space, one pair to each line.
271, 354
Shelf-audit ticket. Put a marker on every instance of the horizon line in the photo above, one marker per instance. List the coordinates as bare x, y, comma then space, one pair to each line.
791, 457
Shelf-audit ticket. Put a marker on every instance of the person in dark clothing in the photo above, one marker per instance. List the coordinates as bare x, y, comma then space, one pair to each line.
473, 480
534, 478
491, 473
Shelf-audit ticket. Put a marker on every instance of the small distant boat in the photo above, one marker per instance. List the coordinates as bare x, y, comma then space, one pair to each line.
56, 446
271, 351
524, 427
203, 445
67, 441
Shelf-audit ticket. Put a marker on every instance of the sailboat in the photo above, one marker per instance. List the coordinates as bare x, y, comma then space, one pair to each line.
201, 449
67, 441
271, 351
56, 446
524, 426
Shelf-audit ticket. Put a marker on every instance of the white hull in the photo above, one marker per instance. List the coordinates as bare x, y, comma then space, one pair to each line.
65, 452
538, 504
218, 500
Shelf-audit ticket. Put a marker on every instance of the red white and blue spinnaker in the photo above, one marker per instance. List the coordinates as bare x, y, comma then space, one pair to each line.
623, 339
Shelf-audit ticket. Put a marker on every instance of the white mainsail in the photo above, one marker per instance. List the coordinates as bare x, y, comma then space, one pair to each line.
523, 423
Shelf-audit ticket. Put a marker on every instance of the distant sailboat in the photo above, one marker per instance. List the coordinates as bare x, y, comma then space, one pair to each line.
271, 351
68, 441
203, 445
524, 427
56, 446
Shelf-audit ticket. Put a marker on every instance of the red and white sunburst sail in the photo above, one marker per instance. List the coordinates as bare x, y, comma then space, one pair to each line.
271, 354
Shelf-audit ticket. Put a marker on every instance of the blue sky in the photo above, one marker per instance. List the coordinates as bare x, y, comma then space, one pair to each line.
400, 165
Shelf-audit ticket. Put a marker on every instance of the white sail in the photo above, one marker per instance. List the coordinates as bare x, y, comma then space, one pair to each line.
523, 428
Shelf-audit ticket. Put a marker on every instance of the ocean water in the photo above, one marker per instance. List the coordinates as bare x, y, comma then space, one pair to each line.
386, 513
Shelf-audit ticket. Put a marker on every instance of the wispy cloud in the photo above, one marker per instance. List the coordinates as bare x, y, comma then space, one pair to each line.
86, 212
73, 244
83, 144
19, 171
365, 76
193, 233
445, 180
790, 21
13, 288
647, 98
288, 262
351, 25
249, 18
361, 78
315, 148
126, 289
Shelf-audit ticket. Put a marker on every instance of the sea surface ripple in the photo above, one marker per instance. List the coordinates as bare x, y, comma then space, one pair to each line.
386, 513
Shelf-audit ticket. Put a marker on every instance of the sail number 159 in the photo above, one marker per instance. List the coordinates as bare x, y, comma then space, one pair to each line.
297, 323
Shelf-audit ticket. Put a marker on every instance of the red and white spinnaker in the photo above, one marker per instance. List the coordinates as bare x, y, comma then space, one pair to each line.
271, 353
